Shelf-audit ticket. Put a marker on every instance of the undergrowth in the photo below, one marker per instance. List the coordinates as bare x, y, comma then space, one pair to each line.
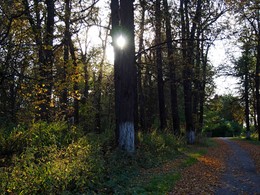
56, 159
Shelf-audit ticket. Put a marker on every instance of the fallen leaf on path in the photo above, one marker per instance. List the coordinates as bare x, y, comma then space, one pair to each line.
253, 150
203, 177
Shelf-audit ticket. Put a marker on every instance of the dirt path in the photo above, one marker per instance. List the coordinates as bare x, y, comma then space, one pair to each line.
225, 170
203, 177
240, 176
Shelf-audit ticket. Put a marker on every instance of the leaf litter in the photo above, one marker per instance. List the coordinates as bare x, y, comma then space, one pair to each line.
204, 176
253, 150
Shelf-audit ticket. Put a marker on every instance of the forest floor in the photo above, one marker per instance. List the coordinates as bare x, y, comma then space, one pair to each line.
233, 167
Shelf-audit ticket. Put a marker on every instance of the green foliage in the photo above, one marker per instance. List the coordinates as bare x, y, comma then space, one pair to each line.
156, 147
38, 135
87, 113
51, 159
54, 159
190, 161
224, 129
253, 138
224, 116
50, 170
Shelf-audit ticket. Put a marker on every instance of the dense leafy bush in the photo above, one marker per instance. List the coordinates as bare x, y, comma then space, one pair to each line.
157, 147
37, 135
50, 170
224, 129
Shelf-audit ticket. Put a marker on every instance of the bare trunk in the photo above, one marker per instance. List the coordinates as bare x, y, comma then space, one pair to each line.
257, 82
65, 56
98, 89
188, 58
75, 86
86, 77
160, 83
197, 82
48, 62
246, 95
257, 78
115, 33
142, 116
187, 73
125, 74
203, 84
172, 69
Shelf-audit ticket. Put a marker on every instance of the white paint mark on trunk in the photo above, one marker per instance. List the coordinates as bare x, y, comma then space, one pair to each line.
191, 137
127, 136
248, 135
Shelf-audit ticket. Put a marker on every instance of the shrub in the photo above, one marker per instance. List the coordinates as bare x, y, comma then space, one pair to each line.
224, 129
52, 170
37, 135
52, 159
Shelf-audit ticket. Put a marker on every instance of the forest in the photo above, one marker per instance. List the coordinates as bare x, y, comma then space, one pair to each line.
93, 91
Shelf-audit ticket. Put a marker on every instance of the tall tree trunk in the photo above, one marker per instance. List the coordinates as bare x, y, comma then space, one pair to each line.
98, 90
148, 91
246, 93
257, 82
187, 73
172, 71
257, 73
125, 73
64, 96
188, 53
86, 77
115, 33
46, 71
45, 54
160, 82
75, 86
204, 58
196, 81
141, 114
254, 107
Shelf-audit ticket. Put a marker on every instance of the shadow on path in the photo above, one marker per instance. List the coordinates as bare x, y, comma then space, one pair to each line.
240, 176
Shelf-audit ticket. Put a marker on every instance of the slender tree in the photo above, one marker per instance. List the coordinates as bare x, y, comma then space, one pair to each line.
172, 71
141, 105
160, 82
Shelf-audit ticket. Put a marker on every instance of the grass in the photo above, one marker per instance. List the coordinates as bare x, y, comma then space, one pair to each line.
159, 181
161, 184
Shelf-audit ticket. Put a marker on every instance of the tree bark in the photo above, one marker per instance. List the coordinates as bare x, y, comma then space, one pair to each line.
141, 113
125, 74
187, 74
45, 54
64, 96
188, 36
257, 82
98, 88
204, 58
46, 71
246, 93
196, 81
172, 72
160, 82
75, 86
115, 33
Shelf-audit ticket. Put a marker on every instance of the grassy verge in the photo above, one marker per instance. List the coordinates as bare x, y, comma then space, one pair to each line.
252, 140
160, 180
